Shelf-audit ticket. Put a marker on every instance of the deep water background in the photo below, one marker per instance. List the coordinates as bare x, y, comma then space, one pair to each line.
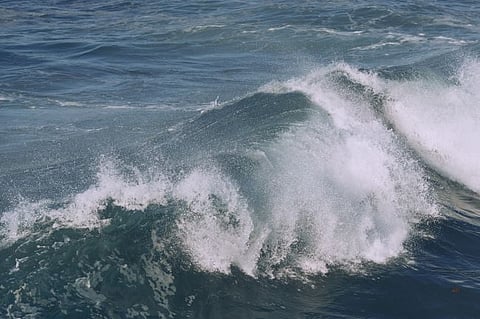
235, 159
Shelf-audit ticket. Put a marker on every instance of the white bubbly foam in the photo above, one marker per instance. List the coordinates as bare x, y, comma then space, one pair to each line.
81, 211
343, 188
217, 227
441, 121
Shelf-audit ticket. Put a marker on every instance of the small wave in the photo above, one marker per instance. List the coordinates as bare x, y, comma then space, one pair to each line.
5, 98
100, 51
200, 28
81, 211
459, 42
395, 39
120, 107
68, 103
287, 26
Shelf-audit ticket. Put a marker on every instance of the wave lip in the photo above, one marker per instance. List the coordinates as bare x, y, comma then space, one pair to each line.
441, 121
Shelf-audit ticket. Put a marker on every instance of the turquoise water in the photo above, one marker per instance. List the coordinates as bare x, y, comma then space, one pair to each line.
239, 160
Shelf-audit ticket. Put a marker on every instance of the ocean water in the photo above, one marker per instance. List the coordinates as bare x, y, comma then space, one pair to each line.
239, 159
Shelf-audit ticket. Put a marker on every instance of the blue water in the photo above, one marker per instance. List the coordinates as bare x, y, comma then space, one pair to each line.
218, 159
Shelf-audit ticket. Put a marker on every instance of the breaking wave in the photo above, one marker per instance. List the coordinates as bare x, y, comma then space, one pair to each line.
338, 187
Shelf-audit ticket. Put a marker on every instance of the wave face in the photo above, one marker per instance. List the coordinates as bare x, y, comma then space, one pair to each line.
239, 160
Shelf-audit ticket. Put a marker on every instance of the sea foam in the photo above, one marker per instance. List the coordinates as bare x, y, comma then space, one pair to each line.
441, 121
133, 192
343, 189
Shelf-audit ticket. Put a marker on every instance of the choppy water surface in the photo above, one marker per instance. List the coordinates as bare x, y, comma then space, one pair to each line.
239, 160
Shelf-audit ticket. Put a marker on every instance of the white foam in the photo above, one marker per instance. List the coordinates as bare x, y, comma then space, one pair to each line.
395, 39
286, 26
340, 190
199, 28
81, 211
5, 98
17, 223
68, 103
343, 188
119, 107
217, 226
453, 41
441, 121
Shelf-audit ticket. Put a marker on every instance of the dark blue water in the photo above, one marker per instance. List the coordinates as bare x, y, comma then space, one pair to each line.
237, 159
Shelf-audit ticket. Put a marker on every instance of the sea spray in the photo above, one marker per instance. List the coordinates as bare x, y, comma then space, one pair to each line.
343, 188
440, 120
133, 191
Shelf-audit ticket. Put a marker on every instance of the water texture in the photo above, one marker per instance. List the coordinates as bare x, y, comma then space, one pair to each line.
237, 159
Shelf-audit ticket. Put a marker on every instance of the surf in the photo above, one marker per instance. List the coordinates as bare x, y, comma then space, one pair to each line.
323, 175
